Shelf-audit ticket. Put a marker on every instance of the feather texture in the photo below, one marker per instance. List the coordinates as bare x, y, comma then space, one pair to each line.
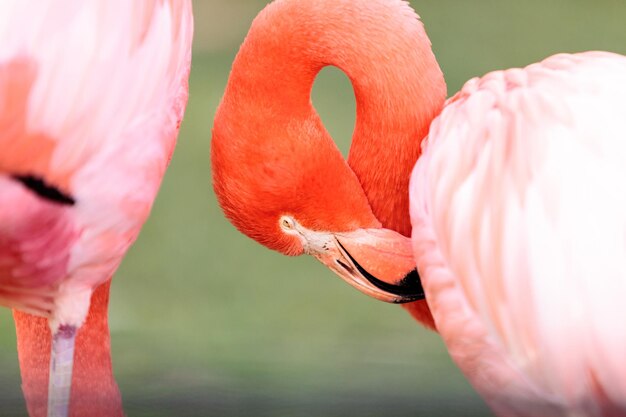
92, 94
519, 212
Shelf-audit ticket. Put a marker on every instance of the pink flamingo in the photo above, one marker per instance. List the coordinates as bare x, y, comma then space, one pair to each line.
281, 181
91, 97
518, 207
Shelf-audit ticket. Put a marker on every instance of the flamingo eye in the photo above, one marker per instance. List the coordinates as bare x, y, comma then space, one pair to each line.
287, 223
44, 190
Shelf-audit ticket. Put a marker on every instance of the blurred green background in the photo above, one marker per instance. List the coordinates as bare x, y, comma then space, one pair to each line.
206, 322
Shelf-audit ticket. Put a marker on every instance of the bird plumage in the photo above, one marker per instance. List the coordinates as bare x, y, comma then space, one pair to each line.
518, 207
271, 155
92, 94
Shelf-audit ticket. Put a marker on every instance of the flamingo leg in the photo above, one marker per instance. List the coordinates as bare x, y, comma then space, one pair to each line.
61, 361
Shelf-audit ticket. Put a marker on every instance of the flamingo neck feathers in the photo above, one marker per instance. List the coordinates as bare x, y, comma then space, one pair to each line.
94, 390
266, 123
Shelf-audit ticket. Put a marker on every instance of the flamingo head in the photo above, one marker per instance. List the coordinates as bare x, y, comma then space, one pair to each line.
288, 187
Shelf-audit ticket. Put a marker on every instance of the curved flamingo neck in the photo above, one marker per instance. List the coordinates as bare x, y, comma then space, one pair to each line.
398, 86
382, 47
94, 391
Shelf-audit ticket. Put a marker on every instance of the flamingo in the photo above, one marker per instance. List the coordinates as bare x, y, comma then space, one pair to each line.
277, 173
520, 237
92, 94
499, 230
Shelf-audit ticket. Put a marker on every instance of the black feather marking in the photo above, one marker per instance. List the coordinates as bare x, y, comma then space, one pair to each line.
44, 190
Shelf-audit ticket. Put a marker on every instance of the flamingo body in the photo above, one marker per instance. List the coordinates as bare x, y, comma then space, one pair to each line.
94, 113
91, 98
518, 206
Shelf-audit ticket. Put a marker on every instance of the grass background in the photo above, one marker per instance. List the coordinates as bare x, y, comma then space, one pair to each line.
205, 322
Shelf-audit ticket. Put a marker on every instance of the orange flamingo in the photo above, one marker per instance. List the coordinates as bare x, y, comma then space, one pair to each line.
517, 204
276, 171
91, 97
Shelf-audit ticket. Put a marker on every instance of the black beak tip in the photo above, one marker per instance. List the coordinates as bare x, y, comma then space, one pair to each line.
409, 288
409, 299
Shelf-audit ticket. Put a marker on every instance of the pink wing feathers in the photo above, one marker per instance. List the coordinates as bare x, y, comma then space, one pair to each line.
518, 206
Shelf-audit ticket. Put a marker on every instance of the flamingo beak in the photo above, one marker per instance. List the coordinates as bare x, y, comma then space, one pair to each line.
377, 262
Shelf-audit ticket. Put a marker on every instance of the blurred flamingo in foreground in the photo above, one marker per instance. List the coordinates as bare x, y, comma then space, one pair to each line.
518, 207
506, 246
91, 97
